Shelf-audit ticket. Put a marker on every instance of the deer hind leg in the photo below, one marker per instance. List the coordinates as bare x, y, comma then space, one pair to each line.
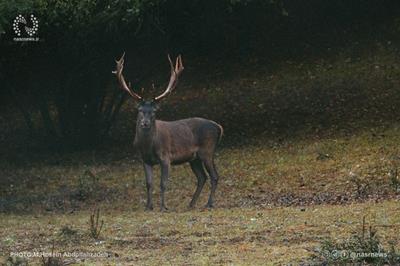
198, 170
212, 171
165, 167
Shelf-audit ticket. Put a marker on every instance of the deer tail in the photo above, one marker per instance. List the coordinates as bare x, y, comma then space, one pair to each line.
221, 132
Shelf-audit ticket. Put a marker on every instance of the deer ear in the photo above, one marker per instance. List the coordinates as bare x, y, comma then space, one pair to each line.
138, 104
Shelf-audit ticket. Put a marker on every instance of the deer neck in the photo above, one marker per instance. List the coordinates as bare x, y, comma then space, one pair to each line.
144, 138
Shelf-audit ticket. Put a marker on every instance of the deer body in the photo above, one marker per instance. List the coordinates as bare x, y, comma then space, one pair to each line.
191, 140
178, 141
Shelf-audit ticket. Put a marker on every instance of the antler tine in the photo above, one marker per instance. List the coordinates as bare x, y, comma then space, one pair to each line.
171, 64
173, 81
178, 65
121, 79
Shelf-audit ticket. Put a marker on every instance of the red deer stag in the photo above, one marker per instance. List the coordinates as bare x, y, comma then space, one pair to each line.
191, 140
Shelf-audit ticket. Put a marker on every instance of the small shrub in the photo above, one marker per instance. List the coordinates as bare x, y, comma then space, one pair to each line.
394, 173
68, 234
67, 231
16, 261
362, 247
394, 179
53, 260
95, 226
88, 183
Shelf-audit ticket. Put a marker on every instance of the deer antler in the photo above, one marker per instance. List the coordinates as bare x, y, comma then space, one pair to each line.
173, 81
121, 79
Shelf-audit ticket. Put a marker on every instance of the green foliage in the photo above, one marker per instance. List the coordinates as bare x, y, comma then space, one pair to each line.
394, 173
80, 16
87, 185
67, 231
361, 247
16, 261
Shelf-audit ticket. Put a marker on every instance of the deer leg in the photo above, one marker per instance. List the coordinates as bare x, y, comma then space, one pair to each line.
165, 166
148, 171
210, 167
198, 170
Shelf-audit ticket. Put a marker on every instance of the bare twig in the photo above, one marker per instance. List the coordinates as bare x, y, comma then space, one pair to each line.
95, 226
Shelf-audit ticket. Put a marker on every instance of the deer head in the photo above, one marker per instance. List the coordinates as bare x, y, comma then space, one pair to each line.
147, 108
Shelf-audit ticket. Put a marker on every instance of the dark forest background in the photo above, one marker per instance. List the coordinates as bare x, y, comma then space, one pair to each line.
62, 91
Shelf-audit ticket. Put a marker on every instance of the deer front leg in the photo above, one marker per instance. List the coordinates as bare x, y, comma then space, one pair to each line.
165, 166
148, 171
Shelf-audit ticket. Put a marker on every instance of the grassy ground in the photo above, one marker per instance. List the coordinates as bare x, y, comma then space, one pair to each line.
339, 170
249, 225
239, 236
309, 150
